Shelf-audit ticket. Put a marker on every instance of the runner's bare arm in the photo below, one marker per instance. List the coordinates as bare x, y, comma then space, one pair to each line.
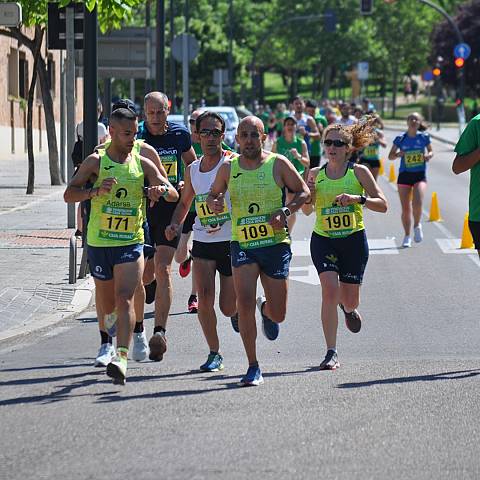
462, 163
159, 185
189, 156
376, 200
429, 153
314, 134
88, 171
305, 157
185, 202
309, 206
394, 153
216, 196
149, 152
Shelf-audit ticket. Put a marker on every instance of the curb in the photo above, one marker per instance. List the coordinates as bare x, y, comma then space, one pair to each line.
81, 300
433, 135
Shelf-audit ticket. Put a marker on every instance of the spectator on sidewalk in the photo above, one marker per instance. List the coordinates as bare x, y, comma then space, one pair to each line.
468, 158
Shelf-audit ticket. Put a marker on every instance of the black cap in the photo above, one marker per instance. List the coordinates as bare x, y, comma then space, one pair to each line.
289, 117
125, 103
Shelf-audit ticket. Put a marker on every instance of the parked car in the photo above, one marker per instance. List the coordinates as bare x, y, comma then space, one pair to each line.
230, 116
176, 118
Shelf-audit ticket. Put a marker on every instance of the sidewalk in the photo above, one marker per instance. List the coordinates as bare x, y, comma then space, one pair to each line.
446, 134
34, 252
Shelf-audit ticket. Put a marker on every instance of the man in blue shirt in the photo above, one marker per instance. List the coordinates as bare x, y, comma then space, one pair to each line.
173, 144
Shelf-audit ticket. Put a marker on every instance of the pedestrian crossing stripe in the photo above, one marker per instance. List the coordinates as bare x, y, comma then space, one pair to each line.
452, 245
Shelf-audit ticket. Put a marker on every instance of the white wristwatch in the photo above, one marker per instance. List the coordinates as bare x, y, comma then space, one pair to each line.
286, 211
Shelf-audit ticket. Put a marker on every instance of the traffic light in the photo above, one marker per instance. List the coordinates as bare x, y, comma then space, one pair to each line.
436, 71
459, 62
366, 7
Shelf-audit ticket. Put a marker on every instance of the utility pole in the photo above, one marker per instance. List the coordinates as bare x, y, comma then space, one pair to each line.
160, 53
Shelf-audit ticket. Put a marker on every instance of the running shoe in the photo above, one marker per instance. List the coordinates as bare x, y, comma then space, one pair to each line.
110, 321
140, 346
150, 290
214, 363
104, 355
158, 346
117, 370
234, 321
330, 362
252, 377
418, 233
407, 241
185, 267
192, 304
353, 320
269, 328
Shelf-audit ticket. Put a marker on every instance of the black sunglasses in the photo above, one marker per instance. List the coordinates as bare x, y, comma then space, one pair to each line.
215, 132
335, 143
192, 121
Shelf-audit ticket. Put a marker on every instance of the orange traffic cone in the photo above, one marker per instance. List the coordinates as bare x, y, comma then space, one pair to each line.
391, 176
467, 239
381, 171
434, 209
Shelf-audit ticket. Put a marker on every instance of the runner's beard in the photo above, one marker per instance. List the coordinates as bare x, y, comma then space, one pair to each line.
252, 154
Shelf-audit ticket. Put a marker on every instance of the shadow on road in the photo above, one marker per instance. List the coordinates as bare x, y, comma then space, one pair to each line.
455, 375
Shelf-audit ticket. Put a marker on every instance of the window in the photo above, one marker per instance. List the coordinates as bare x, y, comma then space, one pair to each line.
23, 83
13, 72
51, 74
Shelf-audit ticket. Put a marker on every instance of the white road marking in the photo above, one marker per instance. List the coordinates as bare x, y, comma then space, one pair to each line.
452, 245
309, 276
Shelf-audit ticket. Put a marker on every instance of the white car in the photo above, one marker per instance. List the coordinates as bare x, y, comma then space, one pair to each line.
230, 116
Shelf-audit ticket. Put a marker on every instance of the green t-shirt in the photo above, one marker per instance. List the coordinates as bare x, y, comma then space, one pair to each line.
468, 142
316, 148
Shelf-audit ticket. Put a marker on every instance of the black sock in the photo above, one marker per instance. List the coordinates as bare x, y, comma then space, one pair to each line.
192, 297
138, 327
254, 364
158, 329
105, 338
213, 353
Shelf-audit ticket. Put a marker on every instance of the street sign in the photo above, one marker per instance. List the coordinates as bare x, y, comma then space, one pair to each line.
220, 76
10, 14
56, 26
462, 50
177, 47
362, 70
427, 76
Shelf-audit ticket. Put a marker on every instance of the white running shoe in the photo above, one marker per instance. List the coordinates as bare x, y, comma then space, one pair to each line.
140, 346
104, 355
418, 233
407, 241
110, 321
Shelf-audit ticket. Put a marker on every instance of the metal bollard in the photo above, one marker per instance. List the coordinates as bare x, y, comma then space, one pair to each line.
72, 264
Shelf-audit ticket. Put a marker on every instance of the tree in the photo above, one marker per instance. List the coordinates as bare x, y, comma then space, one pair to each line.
111, 13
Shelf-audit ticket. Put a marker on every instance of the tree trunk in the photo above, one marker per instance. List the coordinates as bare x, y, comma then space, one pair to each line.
394, 87
47, 99
31, 91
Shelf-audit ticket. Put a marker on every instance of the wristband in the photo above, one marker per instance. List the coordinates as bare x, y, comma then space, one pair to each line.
165, 193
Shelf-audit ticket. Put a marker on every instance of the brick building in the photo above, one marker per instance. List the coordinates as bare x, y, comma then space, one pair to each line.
15, 76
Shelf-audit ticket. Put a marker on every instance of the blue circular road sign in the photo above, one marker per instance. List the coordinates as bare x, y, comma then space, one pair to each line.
462, 50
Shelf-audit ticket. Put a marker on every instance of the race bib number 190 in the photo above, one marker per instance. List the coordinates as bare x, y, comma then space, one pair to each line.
338, 221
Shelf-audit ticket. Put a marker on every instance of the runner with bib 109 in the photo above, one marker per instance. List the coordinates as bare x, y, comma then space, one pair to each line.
410, 147
339, 245
260, 247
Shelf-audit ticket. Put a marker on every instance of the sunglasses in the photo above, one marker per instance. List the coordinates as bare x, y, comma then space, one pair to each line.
192, 121
335, 143
215, 132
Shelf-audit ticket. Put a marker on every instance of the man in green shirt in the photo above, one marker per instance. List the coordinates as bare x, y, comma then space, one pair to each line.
468, 158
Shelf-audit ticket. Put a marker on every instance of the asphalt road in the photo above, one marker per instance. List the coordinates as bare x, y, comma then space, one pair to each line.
404, 403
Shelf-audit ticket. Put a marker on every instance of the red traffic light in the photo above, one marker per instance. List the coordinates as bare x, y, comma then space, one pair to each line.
436, 71
459, 62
